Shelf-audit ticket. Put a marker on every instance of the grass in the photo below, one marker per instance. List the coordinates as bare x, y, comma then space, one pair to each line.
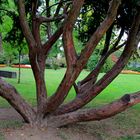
124, 83
5, 124
125, 125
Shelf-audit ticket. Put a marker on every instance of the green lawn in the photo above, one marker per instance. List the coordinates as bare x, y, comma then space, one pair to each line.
124, 83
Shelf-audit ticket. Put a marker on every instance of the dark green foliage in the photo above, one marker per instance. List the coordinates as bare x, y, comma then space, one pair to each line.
15, 35
2, 58
2, 3
137, 69
133, 68
98, 9
92, 62
107, 66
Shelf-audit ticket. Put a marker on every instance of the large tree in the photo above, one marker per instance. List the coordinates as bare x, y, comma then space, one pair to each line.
51, 111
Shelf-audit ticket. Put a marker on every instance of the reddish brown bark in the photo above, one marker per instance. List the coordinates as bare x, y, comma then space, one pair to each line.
96, 37
105, 54
9, 93
24, 24
48, 45
101, 113
73, 72
90, 87
93, 90
70, 54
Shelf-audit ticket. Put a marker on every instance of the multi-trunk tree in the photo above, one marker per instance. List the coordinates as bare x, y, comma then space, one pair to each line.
52, 111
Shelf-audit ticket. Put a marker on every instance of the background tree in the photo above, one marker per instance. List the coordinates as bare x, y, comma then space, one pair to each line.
50, 110
93, 13
13, 39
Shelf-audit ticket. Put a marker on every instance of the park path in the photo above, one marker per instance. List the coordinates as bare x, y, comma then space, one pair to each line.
9, 114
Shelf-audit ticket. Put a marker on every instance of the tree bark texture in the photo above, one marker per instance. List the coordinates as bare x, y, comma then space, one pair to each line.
50, 110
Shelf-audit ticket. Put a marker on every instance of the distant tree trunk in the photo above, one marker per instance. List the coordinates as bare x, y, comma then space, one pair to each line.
0, 42
51, 111
19, 62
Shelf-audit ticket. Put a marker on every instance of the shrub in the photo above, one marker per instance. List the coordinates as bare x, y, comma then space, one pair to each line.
54, 63
137, 69
107, 66
94, 60
2, 58
25, 60
133, 68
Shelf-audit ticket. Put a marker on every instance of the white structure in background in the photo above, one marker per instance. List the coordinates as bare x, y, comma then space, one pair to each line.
59, 55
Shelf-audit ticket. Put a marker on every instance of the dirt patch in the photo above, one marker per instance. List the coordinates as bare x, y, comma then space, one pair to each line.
9, 114
124, 126
27, 133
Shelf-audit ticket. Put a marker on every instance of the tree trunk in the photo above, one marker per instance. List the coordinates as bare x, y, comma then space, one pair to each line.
19, 70
37, 60
0, 42
50, 111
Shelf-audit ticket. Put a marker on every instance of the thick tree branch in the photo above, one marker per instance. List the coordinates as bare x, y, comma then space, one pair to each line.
58, 7
68, 42
37, 60
101, 113
9, 93
36, 53
105, 55
42, 19
36, 32
107, 40
130, 47
119, 38
48, 45
35, 24
92, 77
34, 7
76, 88
101, 30
70, 53
72, 74
94, 90
48, 14
24, 24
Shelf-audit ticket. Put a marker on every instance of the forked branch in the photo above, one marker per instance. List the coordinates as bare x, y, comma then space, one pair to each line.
72, 74
48, 45
96, 89
101, 30
105, 54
